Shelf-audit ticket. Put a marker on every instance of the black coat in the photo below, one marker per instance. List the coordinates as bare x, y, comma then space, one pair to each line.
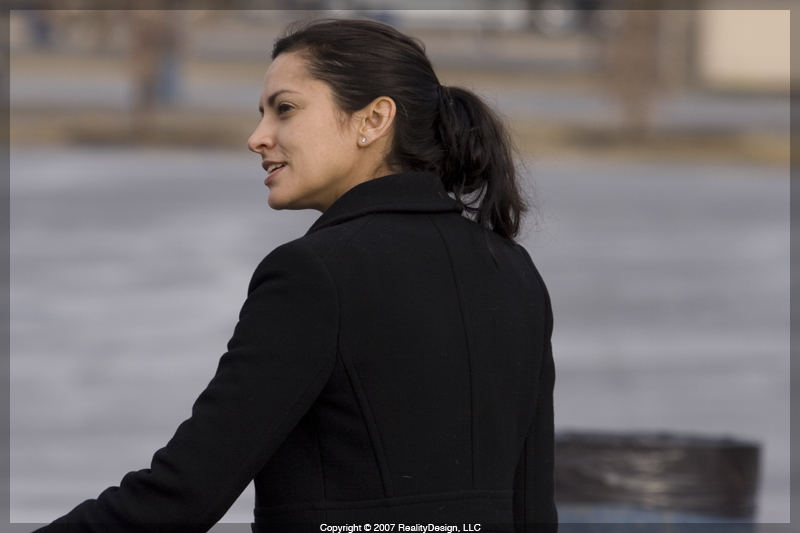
386, 367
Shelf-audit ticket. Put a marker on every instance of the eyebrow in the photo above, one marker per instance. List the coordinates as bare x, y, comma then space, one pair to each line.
273, 96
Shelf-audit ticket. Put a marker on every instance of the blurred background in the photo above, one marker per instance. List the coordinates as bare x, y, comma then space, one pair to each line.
655, 145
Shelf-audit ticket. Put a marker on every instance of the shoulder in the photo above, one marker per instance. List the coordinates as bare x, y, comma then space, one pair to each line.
327, 243
295, 274
291, 260
548, 303
306, 259
519, 249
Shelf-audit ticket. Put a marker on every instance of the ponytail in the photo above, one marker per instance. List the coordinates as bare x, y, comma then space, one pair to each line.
450, 131
477, 165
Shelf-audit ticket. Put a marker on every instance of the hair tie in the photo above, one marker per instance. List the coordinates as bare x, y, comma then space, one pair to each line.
446, 93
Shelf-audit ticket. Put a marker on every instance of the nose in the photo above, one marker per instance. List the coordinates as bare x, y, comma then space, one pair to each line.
261, 139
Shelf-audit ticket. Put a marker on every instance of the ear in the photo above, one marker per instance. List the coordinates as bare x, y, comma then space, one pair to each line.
375, 120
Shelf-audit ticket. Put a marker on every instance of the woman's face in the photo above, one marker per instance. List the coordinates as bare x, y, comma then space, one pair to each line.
300, 129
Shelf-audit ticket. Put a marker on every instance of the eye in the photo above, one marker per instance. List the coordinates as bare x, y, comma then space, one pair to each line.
283, 108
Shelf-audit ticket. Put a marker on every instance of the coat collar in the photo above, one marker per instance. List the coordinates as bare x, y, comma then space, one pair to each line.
409, 192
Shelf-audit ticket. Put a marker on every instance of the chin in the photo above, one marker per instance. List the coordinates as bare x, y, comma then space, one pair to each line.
273, 203
278, 198
278, 202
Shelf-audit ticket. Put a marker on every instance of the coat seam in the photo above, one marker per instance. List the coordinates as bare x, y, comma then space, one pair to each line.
372, 427
338, 333
470, 355
334, 253
525, 482
355, 382
319, 452
397, 501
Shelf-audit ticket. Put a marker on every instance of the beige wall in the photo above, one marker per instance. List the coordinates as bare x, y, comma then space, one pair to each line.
744, 49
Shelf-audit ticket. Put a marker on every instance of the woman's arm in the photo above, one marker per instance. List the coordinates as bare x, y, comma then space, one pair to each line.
533, 490
280, 356
534, 506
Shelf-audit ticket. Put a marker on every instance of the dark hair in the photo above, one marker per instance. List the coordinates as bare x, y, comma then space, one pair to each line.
446, 130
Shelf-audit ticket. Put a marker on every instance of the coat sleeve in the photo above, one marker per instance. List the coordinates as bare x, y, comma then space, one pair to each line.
279, 358
534, 505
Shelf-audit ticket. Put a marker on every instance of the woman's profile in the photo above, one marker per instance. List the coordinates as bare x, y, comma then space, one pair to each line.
393, 365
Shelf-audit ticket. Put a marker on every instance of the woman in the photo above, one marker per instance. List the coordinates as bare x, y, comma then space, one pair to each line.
394, 364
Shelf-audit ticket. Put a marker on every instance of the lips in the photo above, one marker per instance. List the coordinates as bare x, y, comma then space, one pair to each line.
274, 166
267, 163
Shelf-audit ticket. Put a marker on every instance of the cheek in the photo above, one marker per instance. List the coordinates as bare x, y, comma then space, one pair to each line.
317, 146
324, 151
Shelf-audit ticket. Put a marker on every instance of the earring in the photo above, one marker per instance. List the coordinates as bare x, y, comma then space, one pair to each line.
363, 139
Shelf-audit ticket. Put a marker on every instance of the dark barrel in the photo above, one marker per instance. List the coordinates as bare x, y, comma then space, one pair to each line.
655, 477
